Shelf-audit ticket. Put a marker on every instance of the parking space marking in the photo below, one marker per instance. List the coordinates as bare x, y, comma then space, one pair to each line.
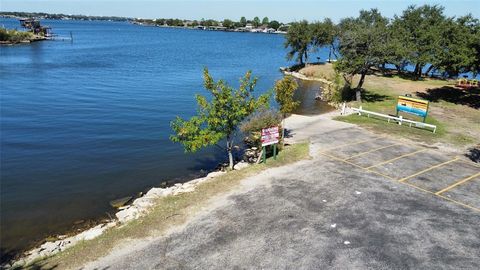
358, 166
393, 159
372, 150
349, 144
437, 194
428, 169
443, 197
457, 183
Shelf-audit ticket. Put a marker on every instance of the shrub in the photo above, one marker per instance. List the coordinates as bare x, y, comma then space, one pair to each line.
253, 125
14, 35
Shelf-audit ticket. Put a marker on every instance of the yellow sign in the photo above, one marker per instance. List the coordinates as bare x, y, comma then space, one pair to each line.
414, 106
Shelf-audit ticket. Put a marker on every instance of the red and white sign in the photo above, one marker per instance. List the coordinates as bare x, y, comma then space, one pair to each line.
270, 136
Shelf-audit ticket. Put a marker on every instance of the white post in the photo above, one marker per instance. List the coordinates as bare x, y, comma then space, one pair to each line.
343, 109
359, 110
400, 122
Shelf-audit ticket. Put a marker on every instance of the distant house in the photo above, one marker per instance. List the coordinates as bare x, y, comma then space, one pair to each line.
249, 26
187, 23
269, 30
34, 26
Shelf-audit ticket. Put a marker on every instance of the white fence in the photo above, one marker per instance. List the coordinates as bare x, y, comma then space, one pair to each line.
399, 119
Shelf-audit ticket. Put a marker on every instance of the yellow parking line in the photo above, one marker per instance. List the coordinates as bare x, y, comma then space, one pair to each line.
370, 151
458, 183
393, 159
408, 184
428, 169
358, 166
353, 143
443, 197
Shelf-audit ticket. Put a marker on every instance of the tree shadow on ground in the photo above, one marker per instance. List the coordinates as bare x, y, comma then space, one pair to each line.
467, 97
474, 154
372, 97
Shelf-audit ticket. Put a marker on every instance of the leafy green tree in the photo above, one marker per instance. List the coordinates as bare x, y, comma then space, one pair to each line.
298, 40
228, 23
218, 118
256, 21
398, 47
243, 21
323, 34
423, 29
274, 24
265, 21
362, 45
284, 90
458, 52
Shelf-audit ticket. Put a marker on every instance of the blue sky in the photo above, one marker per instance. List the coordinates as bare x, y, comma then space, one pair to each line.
234, 9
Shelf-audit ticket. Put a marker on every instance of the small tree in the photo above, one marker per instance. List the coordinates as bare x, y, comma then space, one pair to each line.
256, 21
284, 91
243, 21
274, 24
265, 21
253, 125
218, 118
227, 23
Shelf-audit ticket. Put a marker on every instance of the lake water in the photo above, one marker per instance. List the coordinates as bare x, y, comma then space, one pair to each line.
87, 121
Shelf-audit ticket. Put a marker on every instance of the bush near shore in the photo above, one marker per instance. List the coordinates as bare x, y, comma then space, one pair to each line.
14, 36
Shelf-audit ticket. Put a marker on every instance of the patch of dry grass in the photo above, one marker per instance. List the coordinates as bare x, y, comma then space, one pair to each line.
321, 71
169, 211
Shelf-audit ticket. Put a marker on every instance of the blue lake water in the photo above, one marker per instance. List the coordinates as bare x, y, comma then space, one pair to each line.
87, 121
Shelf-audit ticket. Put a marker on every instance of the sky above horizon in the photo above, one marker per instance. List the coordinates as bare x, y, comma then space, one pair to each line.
281, 10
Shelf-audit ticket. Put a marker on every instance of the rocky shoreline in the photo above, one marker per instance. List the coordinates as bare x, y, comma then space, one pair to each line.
138, 208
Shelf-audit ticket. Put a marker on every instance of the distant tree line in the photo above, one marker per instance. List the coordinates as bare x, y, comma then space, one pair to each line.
62, 16
229, 24
421, 36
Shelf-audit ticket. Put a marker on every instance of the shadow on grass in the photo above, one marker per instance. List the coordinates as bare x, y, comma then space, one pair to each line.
372, 97
467, 97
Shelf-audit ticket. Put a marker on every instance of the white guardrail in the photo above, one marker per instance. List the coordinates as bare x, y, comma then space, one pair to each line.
399, 119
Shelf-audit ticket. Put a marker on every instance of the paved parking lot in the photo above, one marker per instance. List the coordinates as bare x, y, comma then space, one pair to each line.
361, 202
449, 177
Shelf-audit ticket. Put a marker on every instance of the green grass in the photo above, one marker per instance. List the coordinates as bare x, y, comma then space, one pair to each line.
169, 211
383, 126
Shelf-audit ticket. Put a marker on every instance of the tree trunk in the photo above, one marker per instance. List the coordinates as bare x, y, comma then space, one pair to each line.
330, 55
398, 68
358, 92
229, 151
430, 68
415, 71
333, 50
306, 58
419, 74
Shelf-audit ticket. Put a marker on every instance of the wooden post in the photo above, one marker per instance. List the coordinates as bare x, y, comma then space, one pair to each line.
275, 151
264, 150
